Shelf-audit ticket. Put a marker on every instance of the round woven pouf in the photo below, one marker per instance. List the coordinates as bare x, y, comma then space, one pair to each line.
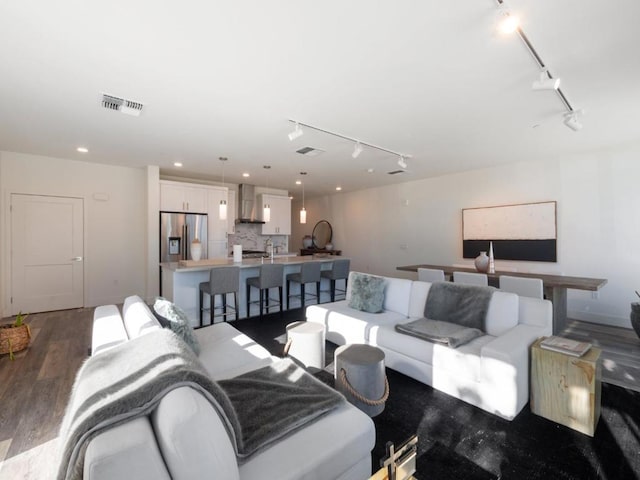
360, 377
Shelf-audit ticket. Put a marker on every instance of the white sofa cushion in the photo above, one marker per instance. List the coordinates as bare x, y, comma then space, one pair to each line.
536, 312
108, 329
128, 450
419, 293
314, 452
137, 317
346, 325
227, 353
502, 315
192, 437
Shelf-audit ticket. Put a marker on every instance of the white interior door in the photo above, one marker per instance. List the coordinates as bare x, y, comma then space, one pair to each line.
47, 253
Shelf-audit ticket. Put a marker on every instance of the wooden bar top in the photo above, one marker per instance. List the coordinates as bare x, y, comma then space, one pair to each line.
561, 281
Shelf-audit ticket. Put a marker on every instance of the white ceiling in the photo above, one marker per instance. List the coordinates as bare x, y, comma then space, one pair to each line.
430, 79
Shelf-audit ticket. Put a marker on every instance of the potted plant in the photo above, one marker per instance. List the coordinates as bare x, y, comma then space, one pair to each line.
14, 336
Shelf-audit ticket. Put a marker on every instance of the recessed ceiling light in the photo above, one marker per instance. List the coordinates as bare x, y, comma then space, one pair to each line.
177, 164
338, 188
370, 170
82, 150
298, 182
245, 175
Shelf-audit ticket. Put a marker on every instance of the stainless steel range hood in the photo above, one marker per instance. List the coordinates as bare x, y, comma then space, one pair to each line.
247, 210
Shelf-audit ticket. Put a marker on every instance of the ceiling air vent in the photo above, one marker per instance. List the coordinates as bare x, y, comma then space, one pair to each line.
121, 105
310, 151
396, 172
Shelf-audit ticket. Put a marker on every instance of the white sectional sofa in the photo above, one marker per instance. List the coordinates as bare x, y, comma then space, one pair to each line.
184, 438
490, 372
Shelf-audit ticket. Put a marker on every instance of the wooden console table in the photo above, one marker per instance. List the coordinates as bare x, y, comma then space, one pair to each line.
555, 287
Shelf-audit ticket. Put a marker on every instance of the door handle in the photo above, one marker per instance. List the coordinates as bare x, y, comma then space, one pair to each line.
76, 259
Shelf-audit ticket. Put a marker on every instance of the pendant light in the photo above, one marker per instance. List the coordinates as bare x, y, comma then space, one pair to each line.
303, 212
222, 209
266, 210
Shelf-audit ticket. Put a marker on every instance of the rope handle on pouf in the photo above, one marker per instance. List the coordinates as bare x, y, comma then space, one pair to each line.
365, 400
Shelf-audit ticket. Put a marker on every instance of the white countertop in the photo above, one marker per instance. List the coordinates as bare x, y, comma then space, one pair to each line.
195, 266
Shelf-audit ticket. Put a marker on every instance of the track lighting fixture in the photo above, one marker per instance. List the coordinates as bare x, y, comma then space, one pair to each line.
357, 150
507, 21
546, 82
296, 133
222, 208
401, 163
571, 120
359, 144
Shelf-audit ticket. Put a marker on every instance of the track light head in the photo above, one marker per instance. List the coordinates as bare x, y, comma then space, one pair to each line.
357, 150
401, 163
296, 133
571, 120
546, 82
507, 21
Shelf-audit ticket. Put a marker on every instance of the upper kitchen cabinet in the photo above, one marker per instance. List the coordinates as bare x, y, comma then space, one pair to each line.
181, 197
280, 223
217, 227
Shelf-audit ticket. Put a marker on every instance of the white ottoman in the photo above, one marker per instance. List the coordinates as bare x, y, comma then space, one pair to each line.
307, 340
360, 376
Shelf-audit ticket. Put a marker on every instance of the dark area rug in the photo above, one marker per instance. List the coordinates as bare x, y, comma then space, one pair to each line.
459, 441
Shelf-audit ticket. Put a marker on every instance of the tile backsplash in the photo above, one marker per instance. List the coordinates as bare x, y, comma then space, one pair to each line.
250, 237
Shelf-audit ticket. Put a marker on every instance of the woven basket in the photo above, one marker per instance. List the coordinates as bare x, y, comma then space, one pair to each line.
13, 339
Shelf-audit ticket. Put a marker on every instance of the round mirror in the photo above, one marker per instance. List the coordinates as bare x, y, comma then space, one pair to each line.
322, 234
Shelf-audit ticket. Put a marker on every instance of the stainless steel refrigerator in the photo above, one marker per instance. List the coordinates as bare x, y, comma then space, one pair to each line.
177, 231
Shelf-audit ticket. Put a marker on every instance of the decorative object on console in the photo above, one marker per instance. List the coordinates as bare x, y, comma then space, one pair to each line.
520, 232
307, 241
492, 265
482, 262
196, 250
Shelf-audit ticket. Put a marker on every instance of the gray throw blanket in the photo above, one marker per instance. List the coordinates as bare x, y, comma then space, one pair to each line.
448, 334
129, 380
465, 305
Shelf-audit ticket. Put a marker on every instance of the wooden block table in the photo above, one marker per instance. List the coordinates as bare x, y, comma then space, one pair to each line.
566, 389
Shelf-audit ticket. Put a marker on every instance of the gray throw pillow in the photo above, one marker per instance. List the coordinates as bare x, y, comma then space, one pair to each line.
173, 317
367, 293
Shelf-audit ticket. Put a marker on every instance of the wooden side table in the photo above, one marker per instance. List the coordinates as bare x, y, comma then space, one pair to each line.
566, 389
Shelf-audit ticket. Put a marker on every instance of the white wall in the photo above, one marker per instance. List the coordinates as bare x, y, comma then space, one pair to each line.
114, 230
598, 199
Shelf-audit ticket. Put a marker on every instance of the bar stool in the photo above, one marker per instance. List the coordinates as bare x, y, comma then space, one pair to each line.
270, 277
222, 281
339, 271
309, 273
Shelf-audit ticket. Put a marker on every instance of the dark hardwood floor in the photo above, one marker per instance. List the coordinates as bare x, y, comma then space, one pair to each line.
34, 388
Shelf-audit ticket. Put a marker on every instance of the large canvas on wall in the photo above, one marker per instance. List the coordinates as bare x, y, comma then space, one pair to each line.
518, 232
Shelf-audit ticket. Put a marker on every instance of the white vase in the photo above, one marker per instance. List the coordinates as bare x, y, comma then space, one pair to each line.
196, 251
482, 262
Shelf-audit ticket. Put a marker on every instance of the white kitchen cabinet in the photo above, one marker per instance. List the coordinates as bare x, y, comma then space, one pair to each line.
280, 223
217, 228
218, 249
182, 197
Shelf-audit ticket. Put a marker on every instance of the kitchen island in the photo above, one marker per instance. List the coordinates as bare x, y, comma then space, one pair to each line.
180, 283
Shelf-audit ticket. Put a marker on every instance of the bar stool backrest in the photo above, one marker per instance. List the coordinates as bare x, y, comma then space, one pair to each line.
340, 269
224, 280
310, 272
271, 275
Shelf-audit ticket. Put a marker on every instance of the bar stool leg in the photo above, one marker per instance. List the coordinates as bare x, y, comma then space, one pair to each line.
224, 308
200, 303
280, 295
318, 292
261, 300
212, 303
248, 300
302, 295
235, 305
333, 290
288, 292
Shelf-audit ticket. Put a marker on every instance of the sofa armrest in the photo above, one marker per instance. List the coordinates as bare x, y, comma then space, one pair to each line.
505, 369
108, 329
